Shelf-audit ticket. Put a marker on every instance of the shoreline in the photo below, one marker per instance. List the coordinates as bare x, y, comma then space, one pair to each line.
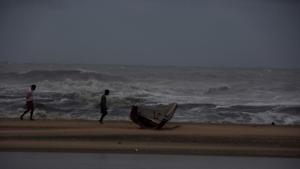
125, 137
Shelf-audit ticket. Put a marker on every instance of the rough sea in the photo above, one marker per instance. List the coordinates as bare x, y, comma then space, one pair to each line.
210, 95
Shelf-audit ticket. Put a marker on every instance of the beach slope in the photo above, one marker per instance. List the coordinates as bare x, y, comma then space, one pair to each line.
125, 137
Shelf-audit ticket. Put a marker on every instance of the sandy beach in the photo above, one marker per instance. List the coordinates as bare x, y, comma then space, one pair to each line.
125, 137
59, 160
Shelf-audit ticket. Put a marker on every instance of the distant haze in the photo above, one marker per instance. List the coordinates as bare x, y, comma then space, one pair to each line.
208, 33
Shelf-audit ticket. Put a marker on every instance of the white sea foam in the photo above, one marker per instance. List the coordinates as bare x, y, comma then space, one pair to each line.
203, 95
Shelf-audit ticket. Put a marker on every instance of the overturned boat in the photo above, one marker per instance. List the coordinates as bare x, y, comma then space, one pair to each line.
152, 116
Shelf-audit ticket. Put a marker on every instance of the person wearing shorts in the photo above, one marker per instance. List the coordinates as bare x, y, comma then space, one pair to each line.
29, 102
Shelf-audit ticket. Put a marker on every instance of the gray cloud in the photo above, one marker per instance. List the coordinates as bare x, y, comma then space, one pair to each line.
205, 33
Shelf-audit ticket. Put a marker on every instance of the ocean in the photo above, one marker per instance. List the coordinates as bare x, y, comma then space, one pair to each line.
209, 95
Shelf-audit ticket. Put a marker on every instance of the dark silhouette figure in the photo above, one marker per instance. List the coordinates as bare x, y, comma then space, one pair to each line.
29, 102
103, 105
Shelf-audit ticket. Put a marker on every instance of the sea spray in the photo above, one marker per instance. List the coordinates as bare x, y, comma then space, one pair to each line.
256, 96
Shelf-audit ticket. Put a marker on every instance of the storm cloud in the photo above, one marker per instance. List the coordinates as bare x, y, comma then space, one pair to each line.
209, 33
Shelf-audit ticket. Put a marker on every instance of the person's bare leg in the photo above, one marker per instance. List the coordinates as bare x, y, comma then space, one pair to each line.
26, 111
31, 114
101, 119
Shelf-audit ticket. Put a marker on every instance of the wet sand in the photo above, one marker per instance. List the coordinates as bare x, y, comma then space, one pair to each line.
29, 160
125, 137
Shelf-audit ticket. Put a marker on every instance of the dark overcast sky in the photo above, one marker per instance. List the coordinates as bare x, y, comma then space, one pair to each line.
210, 33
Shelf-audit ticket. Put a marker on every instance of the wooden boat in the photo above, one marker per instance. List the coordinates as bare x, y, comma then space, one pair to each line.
152, 116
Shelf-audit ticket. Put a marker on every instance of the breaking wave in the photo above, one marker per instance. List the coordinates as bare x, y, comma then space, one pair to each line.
244, 114
292, 109
203, 95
